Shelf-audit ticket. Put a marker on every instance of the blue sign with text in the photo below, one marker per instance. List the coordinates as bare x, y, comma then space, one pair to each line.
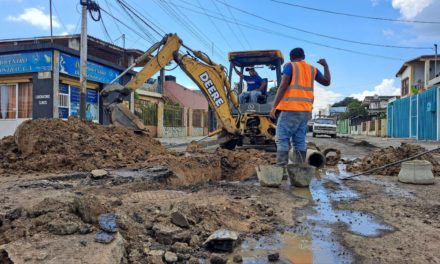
95, 72
38, 61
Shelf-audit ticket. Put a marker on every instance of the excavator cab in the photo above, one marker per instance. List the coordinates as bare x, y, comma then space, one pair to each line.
268, 65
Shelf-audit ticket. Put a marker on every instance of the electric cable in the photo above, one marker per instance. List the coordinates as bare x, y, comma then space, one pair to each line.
216, 27
276, 33
229, 26
239, 27
319, 34
357, 16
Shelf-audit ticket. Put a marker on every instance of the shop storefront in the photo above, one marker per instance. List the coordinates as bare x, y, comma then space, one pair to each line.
45, 84
17, 72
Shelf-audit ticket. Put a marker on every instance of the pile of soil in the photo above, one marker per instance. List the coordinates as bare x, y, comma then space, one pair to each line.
389, 155
240, 164
51, 145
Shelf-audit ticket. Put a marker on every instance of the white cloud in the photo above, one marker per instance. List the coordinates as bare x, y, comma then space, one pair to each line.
411, 8
36, 17
388, 32
387, 87
324, 98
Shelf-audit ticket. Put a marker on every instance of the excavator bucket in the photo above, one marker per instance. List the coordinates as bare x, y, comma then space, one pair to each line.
121, 116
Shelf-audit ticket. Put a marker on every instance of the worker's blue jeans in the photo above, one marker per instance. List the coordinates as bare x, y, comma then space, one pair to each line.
292, 128
245, 96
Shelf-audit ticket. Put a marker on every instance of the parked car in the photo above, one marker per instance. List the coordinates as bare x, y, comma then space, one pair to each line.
310, 125
324, 126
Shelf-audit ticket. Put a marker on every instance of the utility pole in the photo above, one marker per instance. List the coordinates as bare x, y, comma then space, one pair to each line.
51, 32
435, 60
83, 60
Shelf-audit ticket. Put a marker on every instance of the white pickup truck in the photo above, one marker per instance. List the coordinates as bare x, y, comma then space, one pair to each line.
324, 126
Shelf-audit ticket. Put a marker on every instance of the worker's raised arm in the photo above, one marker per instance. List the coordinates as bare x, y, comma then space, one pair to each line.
238, 72
326, 78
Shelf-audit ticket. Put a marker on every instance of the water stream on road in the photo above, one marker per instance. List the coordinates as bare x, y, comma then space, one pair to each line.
314, 238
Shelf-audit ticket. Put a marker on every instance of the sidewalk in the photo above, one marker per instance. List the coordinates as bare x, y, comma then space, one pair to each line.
394, 142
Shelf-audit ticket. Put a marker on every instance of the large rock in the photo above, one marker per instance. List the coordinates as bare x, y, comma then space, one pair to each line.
98, 174
416, 172
165, 233
179, 219
170, 257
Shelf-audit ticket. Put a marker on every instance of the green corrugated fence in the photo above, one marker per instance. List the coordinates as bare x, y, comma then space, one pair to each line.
342, 126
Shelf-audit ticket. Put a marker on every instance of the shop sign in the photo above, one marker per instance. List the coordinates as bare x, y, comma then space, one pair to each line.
23, 62
95, 72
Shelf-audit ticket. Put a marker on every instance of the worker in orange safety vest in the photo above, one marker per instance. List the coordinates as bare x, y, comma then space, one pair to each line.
294, 102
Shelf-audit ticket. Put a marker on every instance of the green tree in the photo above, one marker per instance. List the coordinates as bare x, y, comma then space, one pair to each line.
346, 101
355, 108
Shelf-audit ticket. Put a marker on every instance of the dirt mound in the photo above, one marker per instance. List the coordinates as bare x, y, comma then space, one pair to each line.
389, 155
240, 164
50, 145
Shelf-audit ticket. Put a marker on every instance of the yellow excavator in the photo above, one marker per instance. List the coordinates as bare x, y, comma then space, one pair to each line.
249, 123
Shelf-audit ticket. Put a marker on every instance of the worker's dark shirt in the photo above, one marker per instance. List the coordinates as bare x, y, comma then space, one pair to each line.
253, 82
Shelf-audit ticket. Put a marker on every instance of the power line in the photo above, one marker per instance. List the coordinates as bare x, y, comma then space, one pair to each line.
229, 26
106, 31
116, 24
321, 35
121, 15
131, 9
269, 31
357, 16
215, 26
125, 25
241, 31
188, 25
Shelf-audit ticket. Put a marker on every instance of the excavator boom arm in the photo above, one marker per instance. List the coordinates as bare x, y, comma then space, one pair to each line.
209, 77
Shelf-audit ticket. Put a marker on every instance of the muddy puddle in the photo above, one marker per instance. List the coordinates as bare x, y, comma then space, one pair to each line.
314, 238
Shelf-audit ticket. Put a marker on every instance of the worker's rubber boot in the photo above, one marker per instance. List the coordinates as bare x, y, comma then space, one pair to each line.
300, 157
282, 161
282, 158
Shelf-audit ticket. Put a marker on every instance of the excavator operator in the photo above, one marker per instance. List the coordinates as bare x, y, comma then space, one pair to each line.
255, 86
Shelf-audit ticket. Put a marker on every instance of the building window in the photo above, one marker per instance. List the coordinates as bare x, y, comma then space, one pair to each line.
69, 101
15, 101
405, 86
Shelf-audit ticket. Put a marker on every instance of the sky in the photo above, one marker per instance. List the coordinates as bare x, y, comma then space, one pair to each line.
217, 27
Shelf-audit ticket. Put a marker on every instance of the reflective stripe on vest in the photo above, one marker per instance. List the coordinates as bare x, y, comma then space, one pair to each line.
299, 94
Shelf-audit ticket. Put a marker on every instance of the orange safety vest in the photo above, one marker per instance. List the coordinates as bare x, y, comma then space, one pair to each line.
299, 95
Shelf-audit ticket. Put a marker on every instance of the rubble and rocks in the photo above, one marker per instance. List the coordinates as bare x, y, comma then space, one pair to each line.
389, 155
107, 222
217, 259
222, 239
104, 237
179, 219
98, 174
274, 256
170, 257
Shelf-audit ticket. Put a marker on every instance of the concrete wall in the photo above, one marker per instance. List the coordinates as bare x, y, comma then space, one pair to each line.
383, 131
197, 132
174, 132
